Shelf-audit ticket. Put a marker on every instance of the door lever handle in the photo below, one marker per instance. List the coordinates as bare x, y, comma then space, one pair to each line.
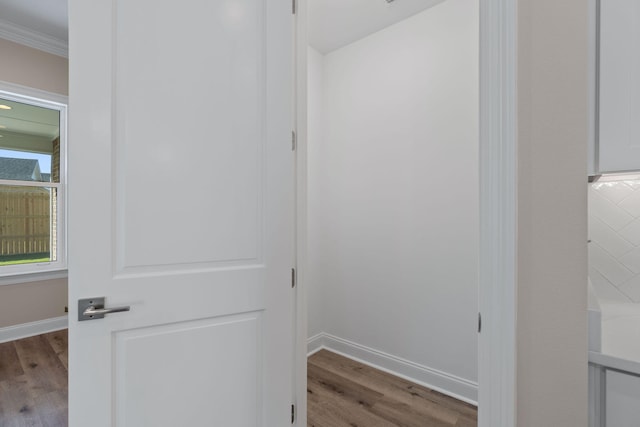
93, 308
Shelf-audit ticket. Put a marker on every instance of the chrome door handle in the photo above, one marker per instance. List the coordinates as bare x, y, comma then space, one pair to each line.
93, 308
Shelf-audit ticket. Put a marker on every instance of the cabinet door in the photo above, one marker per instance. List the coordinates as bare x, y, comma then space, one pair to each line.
619, 124
623, 400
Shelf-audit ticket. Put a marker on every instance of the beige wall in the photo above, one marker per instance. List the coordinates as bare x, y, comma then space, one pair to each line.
33, 68
28, 302
552, 218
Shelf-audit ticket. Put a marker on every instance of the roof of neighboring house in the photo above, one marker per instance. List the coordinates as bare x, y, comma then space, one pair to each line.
45, 177
20, 169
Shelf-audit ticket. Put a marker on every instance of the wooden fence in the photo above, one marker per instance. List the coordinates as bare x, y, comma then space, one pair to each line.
25, 221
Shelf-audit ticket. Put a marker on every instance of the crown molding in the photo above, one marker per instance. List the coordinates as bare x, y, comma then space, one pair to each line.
37, 40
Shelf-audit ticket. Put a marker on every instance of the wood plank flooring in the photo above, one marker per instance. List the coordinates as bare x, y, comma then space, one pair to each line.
345, 393
33, 381
341, 392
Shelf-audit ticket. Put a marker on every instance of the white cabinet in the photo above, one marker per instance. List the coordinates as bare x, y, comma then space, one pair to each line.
619, 86
623, 400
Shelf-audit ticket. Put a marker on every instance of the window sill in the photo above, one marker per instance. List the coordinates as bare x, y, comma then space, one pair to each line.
15, 279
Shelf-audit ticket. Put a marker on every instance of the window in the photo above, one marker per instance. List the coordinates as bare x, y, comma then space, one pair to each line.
32, 185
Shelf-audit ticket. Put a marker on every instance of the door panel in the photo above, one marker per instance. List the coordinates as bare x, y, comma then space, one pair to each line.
199, 356
181, 206
207, 122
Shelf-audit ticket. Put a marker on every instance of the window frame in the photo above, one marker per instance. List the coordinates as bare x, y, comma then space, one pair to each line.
20, 273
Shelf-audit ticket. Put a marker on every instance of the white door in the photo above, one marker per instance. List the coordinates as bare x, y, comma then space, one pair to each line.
181, 207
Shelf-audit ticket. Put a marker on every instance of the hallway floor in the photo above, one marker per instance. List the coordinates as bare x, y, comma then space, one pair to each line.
344, 393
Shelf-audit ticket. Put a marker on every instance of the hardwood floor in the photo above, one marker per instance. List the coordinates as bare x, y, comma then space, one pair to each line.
342, 392
33, 381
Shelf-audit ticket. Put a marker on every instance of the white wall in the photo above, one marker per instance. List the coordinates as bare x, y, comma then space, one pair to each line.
316, 182
393, 193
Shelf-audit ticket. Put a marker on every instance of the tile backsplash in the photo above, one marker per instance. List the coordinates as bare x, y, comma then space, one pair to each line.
614, 231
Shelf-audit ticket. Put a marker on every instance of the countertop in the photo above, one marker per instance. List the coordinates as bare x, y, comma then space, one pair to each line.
619, 337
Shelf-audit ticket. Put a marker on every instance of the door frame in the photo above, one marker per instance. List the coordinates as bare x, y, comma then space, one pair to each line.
300, 128
498, 213
498, 198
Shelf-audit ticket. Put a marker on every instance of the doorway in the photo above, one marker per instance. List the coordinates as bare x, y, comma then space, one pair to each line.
393, 195
503, 365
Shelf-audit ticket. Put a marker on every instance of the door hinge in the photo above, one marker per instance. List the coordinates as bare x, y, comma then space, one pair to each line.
479, 322
294, 140
293, 6
293, 414
293, 278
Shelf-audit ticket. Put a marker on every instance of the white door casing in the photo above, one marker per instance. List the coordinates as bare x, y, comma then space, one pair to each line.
498, 213
181, 206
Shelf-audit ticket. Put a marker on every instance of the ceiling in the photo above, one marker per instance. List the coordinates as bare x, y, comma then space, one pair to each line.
337, 23
43, 24
29, 119
48, 17
27, 127
332, 23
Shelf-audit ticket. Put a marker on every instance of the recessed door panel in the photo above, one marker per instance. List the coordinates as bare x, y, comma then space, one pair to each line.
189, 131
171, 375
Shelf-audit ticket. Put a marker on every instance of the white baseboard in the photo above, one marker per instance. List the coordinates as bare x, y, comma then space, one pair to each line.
315, 343
445, 383
30, 329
